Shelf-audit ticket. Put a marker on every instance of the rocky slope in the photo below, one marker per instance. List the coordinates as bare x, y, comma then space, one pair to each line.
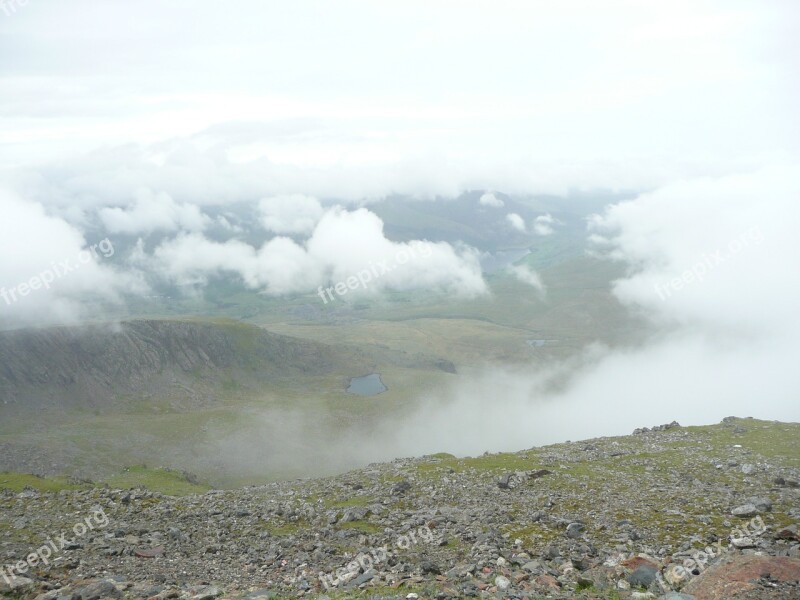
100, 366
711, 512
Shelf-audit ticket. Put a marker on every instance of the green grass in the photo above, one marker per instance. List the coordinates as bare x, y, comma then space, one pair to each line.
284, 529
501, 462
16, 482
165, 481
362, 526
350, 502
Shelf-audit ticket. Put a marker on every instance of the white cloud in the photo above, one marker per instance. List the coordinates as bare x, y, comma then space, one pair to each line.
342, 244
153, 212
543, 225
293, 213
724, 345
732, 236
516, 221
489, 199
227, 225
54, 275
527, 276
452, 115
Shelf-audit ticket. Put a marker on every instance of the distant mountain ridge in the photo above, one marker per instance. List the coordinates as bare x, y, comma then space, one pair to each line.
95, 365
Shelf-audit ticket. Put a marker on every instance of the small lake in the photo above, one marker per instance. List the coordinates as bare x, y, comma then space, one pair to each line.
367, 385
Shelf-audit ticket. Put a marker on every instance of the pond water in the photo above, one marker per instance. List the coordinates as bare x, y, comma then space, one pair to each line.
367, 385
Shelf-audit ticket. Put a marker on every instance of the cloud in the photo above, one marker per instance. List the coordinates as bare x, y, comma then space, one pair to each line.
55, 275
461, 118
153, 212
527, 276
516, 221
542, 225
342, 244
294, 213
489, 199
722, 345
737, 233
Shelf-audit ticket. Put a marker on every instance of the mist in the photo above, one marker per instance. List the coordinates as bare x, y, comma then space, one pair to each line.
723, 341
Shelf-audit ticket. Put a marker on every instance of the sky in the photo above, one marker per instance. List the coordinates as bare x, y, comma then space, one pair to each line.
415, 97
136, 118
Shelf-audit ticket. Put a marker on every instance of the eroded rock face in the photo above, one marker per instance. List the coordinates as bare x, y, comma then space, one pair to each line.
92, 364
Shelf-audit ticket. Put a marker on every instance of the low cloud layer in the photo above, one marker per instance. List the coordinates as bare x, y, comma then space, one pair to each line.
153, 212
293, 213
50, 271
724, 344
342, 245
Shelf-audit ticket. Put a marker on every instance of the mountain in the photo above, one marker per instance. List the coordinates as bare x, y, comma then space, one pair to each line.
106, 366
711, 511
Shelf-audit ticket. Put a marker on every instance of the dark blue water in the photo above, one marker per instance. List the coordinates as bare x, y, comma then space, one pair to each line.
367, 385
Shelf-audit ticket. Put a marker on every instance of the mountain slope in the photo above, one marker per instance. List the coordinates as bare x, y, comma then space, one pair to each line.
101, 366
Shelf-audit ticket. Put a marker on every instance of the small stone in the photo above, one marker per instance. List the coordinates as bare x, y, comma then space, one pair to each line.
575, 530
207, 593
98, 589
429, 567
643, 576
401, 487
745, 511
743, 542
15, 585
788, 533
748, 469
761, 504
532, 566
364, 578
502, 583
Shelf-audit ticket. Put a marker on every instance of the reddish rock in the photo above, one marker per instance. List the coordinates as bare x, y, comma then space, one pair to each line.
788, 533
149, 552
547, 581
637, 561
738, 577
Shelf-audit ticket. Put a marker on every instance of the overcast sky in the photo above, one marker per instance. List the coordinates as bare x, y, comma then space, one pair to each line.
137, 118
414, 96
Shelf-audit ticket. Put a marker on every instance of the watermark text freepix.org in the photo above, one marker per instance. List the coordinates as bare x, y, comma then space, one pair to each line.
52, 547
708, 262
376, 270
366, 560
10, 6
677, 574
56, 271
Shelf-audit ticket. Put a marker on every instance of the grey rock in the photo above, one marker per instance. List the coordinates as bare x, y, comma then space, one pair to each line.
575, 530
97, 589
401, 487
745, 511
762, 504
15, 585
643, 576
502, 583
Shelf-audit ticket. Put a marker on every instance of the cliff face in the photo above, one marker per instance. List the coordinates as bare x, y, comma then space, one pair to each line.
93, 365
